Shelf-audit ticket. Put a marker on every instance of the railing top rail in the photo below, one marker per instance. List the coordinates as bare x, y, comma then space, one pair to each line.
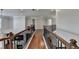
20, 32
62, 40
6, 38
2, 39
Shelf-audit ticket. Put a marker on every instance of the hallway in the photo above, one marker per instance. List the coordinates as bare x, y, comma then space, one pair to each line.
37, 41
39, 29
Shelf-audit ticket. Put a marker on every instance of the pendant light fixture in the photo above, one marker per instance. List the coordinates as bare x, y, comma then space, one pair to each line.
35, 9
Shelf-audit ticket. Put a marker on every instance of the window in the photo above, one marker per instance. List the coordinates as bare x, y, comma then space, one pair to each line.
49, 21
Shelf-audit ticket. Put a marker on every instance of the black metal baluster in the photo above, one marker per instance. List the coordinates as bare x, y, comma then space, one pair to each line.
61, 45
4, 44
58, 43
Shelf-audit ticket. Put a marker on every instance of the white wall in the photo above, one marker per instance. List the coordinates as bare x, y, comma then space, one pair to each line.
13, 24
7, 24
28, 21
68, 24
19, 23
68, 20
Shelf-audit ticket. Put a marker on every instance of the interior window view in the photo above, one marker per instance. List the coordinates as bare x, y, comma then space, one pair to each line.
39, 29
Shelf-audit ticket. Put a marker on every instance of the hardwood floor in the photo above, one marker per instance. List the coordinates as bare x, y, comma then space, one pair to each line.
37, 41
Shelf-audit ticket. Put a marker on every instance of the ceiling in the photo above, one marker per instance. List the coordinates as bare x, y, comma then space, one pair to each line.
28, 12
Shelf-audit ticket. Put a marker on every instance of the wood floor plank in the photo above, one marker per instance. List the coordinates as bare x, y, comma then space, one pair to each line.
37, 41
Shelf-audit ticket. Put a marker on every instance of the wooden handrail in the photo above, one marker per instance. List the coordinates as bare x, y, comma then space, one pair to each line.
20, 32
23, 31
2, 39
62, 40
8, 45
15, 34
12, 37
9, 39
